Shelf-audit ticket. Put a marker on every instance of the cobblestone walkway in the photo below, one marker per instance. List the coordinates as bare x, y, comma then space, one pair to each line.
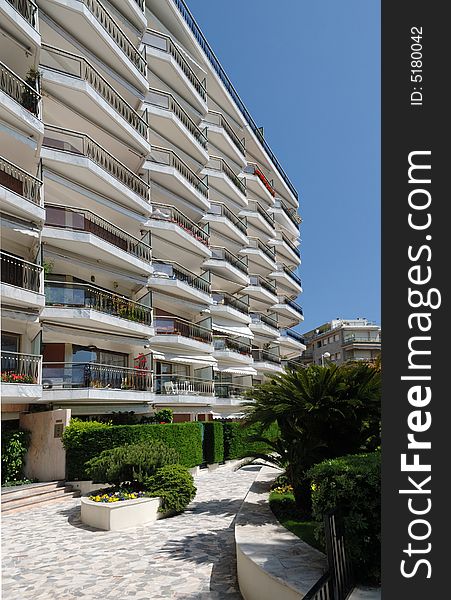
48, 554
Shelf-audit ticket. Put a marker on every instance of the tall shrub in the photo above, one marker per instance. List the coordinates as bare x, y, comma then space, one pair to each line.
213, 443
238, 442
15, 443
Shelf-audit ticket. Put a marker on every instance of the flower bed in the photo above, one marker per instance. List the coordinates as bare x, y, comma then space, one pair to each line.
11, 377
118, 515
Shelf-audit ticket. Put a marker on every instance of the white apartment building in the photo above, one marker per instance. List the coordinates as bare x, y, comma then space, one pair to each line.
150, 237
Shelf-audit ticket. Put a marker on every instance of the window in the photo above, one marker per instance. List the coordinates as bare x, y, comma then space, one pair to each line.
10, 342
336, 337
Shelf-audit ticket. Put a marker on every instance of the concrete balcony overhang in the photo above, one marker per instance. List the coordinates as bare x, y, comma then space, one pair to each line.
268, 367
19, 206
106, 396
180, 343
81, 22
23, 29
284, 252
285, 282
133, 10
287, 315
233, 356
21, 119
16, 393
261, 329
258, 259
290, 344
226, 271
257, 221
229, 312
87, 244
257, 188
260, 294
224, 227
17, 296
182, 400
281, 217
94, 319
225, 186
177, 288
219, 138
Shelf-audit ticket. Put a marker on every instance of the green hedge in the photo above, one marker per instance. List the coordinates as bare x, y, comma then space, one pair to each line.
15, 443
352, 484
213, 442
237, 443
84, 440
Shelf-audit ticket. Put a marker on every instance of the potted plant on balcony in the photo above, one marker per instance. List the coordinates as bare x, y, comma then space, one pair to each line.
30, 99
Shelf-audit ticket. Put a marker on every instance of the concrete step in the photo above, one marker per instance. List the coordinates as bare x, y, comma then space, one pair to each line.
35, 494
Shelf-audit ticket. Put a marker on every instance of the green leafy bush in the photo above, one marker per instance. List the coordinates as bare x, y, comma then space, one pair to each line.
213, 443
83, 442
175, 486
238, 439
352, 484
165, 415
15, 443
130, 464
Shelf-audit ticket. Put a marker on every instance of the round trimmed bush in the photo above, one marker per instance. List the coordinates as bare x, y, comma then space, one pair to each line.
175, 486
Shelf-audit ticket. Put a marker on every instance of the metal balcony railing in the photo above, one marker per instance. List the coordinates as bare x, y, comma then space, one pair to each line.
254, 169
293, 305
163, 42
220, 253
290, 244
217, 118
186, 14
164, 156
259, 281
84, 295
256, 207
73, 142
216, 163
217, 208
80, 219
167, 269
164, 212
20, 273
171, 384
141, 4
265, 356
27, 9
224, 343
78, 67
19, 90
355, 339
20, 368
291, 213
258, 244
228, 300
17, 180
266, 319
293, 334
292, 275
176, 326
117, 34
167, 101
230, 390
93, 375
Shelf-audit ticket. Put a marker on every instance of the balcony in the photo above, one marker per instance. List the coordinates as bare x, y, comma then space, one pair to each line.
231, 390
134, 11
221, 135
223, 221
285, 248
267, 361
20, 192
20, 377
20, 19
179, 334
175, 235
230, 307
291, 342
181, 385
260, 255
226, 265
264, 325
94, 27
361, 341
285, 216
171, 278
79, 158
287, 281
222, 178
289, 312
87, 306
232, 350
258, 184
263, 293
171, 120
82, 232
78, 84
169, 65
168, 170
21, 282
258, 218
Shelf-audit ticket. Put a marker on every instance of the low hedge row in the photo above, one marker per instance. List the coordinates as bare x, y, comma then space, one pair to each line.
237, 442
213, 442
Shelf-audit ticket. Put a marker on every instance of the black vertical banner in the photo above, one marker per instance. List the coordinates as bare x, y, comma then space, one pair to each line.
416, 258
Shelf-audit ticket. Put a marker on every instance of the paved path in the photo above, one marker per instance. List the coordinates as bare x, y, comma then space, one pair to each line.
48, 554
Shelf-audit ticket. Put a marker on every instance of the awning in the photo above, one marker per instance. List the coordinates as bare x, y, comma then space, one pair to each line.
236, 330
19, 226
205, 361
72, 335
239, 370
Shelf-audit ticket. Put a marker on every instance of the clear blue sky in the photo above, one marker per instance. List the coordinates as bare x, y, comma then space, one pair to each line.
309, 72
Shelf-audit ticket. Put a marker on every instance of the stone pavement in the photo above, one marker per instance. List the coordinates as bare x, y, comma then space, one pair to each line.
48, 554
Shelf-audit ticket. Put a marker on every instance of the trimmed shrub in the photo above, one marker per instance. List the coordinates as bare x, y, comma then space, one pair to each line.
213, 443
83, 442
175, 486
352, 484
15, 443
237, 443
130, 464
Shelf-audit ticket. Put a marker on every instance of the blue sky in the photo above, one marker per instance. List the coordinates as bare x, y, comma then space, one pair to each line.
309, 72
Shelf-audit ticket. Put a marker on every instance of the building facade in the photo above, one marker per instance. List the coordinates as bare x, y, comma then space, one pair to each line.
150, 237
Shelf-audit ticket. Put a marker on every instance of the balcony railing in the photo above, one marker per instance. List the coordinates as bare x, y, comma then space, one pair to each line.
225, 344
176, 326
17, 180
186, 14
27, 9
293, 334
266, 319
292, 275
83, 295
163, 42
265, 356
167, 101
217, 208
73, 142
116, 33
220, 253
167, 269
20, 368
227, 299
217, 163
259, 281
164, 212
290, 244
294, 305
354, 339
78, 67
230, 390
163, 156
19, 90
93, 375
258, 208
291, 213
217, 118
20, 273
258, 244
254, 169
79, 219
181, 384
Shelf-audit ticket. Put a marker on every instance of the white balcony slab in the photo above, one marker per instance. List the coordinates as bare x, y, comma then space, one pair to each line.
260, 294
219, 181
284, 253
170, 239
267, 367
179, 343
287, 315
17, 296
257, 224
230, 313
132, 11
177, 288
183, 400
220, 139
226, 271
223, 227
20, 118
288, 343
285, 282
61, 396
16, 393
18, 27
233, 357
259, 261
284, 220
261, 329
257, 189
17, 205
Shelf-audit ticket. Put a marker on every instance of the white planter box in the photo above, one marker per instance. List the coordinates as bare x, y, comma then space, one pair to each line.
115, 516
